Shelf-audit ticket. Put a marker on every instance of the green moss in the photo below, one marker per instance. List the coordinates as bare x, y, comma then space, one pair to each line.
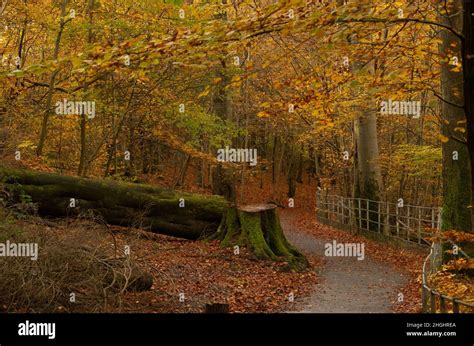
456, 213
232, 228
262, 234
259, 247
280, 244
158, 207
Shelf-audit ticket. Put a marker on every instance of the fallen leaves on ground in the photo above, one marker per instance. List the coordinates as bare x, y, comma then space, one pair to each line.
206, 273
452, 280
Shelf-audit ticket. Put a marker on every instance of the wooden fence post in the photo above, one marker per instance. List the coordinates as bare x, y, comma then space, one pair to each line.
442, 304
360, 213
419, 225
367, 215
378, 214
424, 299
433, 301
432, 218
398, 225
408, 222
455, 306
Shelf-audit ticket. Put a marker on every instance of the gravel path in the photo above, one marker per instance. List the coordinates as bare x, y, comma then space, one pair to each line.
346, 283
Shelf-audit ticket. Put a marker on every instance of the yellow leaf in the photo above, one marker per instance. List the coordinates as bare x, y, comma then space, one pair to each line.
204, 93
443, 139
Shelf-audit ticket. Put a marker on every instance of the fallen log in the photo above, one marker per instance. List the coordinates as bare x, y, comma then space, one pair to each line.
152, 208
155, 209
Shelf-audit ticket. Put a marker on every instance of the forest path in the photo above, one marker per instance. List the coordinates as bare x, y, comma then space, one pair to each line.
347, 285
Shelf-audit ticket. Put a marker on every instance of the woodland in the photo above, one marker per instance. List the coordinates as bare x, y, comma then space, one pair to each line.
167, 155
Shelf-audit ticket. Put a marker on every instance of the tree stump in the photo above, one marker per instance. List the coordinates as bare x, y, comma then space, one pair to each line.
258, 228
216, 308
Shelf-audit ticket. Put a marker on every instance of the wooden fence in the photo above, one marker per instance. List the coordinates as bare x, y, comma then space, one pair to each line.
433, 301
409, 223
402, 221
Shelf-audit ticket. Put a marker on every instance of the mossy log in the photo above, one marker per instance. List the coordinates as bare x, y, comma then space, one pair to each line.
258, 227
156, 209
152, 208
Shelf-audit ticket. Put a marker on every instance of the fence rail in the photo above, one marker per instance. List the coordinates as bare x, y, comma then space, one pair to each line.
405, 222
433, 301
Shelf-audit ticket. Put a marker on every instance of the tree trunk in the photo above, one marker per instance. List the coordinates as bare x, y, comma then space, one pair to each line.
456, 172
468, 86
3, 128
52, 81
299, 176
468, 75
83, 122
145, 206
258, 227
223, 182
184, 168
292, 174
369, 182
82, 156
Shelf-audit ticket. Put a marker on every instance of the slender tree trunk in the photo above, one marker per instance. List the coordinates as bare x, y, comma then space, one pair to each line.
83, 122
274, 168
292, 172
184, 168
82, 158
299, 176
3, 127
52, 81
112, 154
223, 179
368, 182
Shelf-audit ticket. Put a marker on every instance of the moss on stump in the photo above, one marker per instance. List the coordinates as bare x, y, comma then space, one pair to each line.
258, 228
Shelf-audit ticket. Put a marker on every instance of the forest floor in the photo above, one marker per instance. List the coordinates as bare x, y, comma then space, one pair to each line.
202, 272
205, 273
